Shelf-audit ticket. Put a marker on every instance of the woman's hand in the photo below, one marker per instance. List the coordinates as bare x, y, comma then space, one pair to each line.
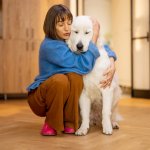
109, 74
96, 29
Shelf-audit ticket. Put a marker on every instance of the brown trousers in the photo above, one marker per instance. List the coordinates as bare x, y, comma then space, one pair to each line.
57, 99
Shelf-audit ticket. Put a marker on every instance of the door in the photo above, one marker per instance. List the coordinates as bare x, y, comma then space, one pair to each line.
34, 53
23, 33
16, 66
37, 11
1, 68
140, 25
15, 24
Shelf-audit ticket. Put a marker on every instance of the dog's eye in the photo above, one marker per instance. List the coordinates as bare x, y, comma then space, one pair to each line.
76, 32
87, 32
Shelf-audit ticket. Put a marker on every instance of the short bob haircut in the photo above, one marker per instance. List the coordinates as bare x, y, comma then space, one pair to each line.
55, 14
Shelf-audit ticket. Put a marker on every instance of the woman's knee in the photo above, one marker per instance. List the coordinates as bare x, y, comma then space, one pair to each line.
58, 88
58, 82
75, 79
37, 108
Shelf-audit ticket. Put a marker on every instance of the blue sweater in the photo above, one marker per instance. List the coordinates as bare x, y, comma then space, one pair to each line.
55, 57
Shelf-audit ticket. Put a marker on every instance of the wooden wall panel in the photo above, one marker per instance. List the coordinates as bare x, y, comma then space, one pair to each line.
53, 2
23, 32
15, 19
1, 68
16, 66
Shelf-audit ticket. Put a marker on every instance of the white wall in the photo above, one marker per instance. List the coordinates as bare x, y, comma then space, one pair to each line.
101, 10
121, 35
73, 7
114, 18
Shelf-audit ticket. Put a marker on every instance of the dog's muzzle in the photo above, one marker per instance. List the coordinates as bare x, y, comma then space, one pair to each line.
79, 47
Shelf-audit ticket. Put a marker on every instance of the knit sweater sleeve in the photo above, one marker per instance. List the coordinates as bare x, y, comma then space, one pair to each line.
110, 52
60, 55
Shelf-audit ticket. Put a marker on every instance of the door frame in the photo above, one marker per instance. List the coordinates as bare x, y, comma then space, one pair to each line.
140, 93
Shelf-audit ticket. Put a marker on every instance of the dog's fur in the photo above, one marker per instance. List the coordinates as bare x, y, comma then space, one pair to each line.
96, 104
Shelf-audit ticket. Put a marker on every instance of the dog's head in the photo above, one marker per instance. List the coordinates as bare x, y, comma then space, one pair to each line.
81, 34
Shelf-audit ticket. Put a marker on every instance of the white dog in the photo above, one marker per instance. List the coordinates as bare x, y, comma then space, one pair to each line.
93, 97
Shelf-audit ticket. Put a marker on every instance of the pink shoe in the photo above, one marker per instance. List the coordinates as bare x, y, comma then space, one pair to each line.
69, 130
47, 130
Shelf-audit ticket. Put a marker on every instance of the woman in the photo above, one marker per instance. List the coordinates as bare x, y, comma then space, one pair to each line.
56, 90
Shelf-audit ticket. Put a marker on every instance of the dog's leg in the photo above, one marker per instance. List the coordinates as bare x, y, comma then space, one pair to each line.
115, 118
107, 98
85, 105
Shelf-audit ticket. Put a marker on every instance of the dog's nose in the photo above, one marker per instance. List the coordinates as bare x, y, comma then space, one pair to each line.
80, 46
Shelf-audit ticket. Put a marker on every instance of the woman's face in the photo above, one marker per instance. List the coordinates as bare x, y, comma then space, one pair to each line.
63, 29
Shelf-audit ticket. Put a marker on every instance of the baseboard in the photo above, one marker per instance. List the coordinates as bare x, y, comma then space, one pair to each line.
126, 90
141, 93
13, 96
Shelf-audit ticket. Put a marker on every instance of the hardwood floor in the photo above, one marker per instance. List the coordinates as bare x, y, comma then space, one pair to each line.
19, 130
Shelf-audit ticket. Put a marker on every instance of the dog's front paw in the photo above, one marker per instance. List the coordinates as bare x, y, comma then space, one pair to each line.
115, 125
107, 126
81, 131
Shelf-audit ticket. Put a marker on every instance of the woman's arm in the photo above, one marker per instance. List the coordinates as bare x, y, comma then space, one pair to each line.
109, 74
96, 29
110, 52
58, 53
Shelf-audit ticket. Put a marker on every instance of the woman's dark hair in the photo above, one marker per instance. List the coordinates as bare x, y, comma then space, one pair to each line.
55, 14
